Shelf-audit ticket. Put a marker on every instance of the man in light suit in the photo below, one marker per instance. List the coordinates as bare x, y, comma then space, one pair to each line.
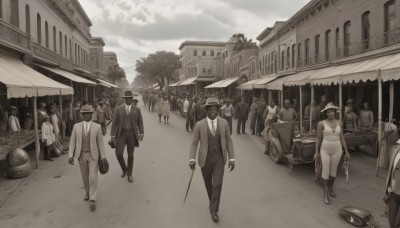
127, 129
392, 187
87, 145
215, 148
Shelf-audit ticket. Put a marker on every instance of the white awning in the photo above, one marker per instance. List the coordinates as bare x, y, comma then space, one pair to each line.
332, 76
205, 78
276, 84
68, 75
175, 84
188, 81
107, 84
248, 85
23, 81
261, 83
392, 70
303, 78
227, 82
213, 85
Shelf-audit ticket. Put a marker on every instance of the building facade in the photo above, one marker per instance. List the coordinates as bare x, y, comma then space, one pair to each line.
110, 61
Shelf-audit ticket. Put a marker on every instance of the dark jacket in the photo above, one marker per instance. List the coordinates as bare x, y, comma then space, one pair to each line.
137, 121
242, 110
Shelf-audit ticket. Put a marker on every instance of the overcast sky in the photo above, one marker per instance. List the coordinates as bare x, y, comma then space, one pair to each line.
136, 28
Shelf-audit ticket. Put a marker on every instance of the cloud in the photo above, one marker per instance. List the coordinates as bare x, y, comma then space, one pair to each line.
136, 28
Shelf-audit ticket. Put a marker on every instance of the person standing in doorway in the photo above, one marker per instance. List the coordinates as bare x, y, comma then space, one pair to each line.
242, 113
87, 145
127, 129
216, 147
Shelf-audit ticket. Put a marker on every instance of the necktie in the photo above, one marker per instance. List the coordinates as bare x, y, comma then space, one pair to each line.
127, 109
212, 128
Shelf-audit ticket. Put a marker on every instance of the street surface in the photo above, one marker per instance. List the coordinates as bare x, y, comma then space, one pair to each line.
258, 193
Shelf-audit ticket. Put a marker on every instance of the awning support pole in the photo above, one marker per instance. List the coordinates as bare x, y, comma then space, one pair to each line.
311, 109
35, 121
340, 101
391, 92
379, 120
301, 108
61, 117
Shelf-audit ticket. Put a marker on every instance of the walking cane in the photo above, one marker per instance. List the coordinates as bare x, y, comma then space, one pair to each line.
187, 190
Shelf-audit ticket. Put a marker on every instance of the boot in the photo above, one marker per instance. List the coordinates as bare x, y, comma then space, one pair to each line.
326, 192
330, 186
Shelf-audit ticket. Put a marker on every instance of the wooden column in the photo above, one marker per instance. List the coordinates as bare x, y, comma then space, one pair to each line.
391, 101
311, 109
340, 101
379, 120
301, 108
35, 120
61, 117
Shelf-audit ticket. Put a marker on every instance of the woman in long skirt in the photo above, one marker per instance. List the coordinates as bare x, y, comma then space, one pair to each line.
165, 109
159, 108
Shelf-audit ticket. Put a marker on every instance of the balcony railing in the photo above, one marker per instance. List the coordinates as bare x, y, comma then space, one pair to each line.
47, 54
13, 35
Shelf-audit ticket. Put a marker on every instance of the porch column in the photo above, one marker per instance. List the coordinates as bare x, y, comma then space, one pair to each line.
37, 145
391, 101
311, 110
301, 108
340, 101
379, 120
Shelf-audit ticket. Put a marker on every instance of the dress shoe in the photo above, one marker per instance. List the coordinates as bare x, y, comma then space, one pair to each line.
92, 205
123, 173
86, 198
214, 216
130, 178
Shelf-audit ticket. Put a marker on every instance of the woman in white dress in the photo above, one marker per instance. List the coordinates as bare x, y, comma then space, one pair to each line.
329, 147
48, 137
166, 109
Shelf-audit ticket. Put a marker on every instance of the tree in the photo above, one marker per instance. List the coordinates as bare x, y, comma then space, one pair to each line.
158, 67
241, 42
116, 74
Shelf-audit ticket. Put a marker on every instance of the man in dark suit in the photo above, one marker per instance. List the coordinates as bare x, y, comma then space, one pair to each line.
215, 148
127, 129
242, 113
190, 116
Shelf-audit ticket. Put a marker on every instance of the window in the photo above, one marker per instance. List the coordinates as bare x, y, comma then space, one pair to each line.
66, 46
288, 57
327, 44
76, 54
365, 30
337, 42
390, 19
27, 19
317, 48
307, 51
1, 8
204, 53
212, 52
268, 63
60, 43
39, 29
195, 53
204, 70
14, 12
276, 61
46, 34
54, 39
346, 38
293, 55
70, 49
299, 60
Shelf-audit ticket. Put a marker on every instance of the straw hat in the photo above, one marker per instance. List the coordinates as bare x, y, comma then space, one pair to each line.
212, 101
330, 105
87, 109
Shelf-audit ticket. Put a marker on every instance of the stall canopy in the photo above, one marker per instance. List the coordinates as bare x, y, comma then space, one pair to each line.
106, 84
261, 83
205, 78
215, 84
276, 84
68, 75
227, 82
248, 85
175, 84
391, 71
188, 81
303, 78
23, 81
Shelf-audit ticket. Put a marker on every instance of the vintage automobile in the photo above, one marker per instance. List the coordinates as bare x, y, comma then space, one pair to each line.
292, 147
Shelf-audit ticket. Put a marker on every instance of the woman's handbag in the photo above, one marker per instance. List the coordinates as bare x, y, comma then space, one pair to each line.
103, 166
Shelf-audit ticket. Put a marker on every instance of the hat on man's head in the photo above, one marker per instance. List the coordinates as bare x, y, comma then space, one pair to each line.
128, 94
87, 109
13, 107
287, 101
42, 104
228, 100
101, 101
330, 105
135, 100
212, 101
350, 100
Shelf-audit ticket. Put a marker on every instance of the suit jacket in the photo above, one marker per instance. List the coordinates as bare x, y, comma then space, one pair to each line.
96, 141
191, 110
396, 190
242, 110
200, 135
137, 120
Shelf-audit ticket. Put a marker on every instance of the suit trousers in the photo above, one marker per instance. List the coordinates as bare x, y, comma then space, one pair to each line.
127, 138
213, 174
241, 123
229, 120
89, 169
394, 210
189, 123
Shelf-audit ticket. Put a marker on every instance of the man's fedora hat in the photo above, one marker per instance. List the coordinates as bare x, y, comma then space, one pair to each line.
128, 94
212, 101
13, 107
228, 99
87, 109
330, 105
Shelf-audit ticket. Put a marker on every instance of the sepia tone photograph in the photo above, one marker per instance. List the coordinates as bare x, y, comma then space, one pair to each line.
199, 113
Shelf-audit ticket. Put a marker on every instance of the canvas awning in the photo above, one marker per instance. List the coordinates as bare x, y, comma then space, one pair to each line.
188, 81
227, 82
175, 84
276, 84
331, 76
214, 84
68, 75
205, 78
107, 84
261, 83
248, 85
303, 78
391, 71
23, 81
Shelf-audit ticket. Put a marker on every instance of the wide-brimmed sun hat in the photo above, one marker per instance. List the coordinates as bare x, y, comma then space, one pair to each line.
330, 105
87, 109
212, 101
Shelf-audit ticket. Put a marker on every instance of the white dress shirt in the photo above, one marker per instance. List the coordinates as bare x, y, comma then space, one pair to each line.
128, 107
86, 126
392, 181
185, 105
14, 124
